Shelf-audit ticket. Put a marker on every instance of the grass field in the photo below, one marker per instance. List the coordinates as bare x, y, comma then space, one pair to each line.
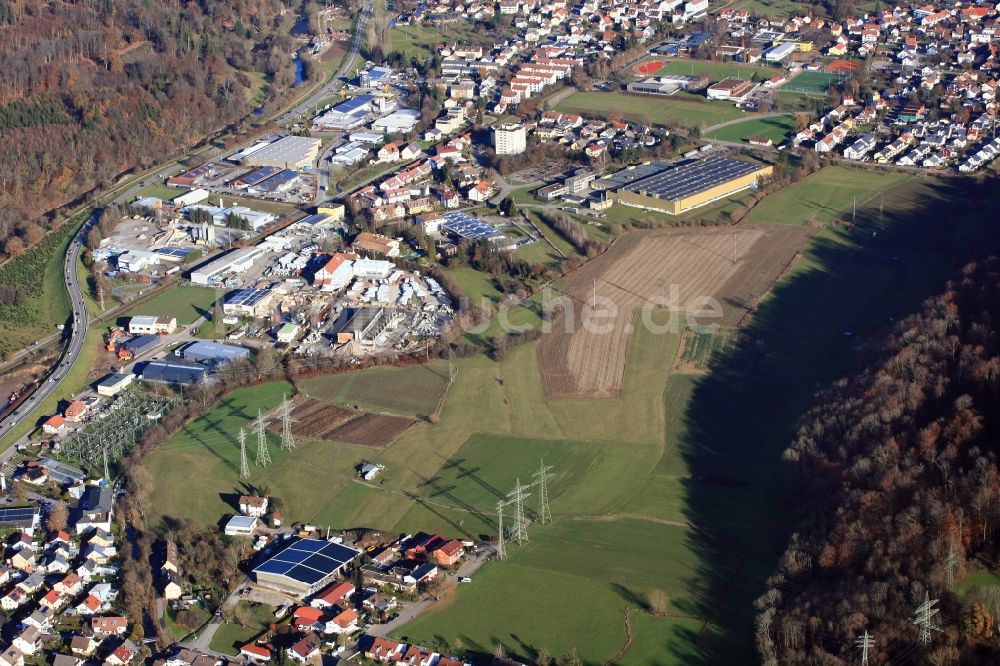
775, 128
716, 70
475, 285
183, 302
410, 391
229, 638
41, 305
669, 111
417, 40
824, 196
676, 483
811, 83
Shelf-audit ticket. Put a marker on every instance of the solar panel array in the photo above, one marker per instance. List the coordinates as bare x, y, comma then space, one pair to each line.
247, 297
466, 226
353, 104
684, 181
17, 516
308, 561
176, 252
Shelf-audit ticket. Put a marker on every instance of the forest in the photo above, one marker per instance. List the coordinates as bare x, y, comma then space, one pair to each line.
94, 88
899, 488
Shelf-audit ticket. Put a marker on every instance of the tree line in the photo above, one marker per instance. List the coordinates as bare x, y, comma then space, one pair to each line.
899, 489
92, 89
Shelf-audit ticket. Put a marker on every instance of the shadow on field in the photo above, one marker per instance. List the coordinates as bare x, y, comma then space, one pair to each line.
818, 325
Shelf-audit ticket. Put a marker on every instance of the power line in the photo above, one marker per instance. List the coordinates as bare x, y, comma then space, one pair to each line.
542, 477
517, 497
866, 641
263, 455
287, 438
923, 618
244, 467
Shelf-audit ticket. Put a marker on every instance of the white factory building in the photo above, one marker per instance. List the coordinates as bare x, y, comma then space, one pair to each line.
235, 262
398, 122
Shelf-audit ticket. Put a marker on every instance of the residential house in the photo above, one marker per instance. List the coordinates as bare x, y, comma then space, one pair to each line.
110, 625
257, 654
27, 641
54, 425
334, 595
305, 649
251, 505
449, 553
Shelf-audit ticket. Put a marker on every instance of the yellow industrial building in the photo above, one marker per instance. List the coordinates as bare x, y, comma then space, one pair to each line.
675, 189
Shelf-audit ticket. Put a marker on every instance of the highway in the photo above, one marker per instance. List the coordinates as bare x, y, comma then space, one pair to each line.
77, 328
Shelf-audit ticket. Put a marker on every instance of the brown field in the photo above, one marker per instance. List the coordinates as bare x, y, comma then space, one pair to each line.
378, 430
314, 419
673, 268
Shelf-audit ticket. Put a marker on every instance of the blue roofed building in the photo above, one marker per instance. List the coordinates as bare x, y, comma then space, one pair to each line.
304, 566
173, 372
212, 353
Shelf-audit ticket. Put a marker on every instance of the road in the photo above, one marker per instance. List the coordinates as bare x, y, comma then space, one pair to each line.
335, 83
77, 327
411, 611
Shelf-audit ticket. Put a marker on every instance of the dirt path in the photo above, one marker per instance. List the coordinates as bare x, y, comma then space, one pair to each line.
743, 119
628, 640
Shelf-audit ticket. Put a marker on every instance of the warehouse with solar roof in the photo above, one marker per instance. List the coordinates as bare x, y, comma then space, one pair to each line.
305, 566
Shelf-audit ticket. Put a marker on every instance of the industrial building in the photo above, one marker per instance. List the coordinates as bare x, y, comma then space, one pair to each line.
290, 152
235, 262
348, 115
676, 188
173, 372
114, 384
510, 139
253, 177
398, 122
282, 181
361, 325
248, 303
138, 346
304, 566
212, 353
463, 226
150, 325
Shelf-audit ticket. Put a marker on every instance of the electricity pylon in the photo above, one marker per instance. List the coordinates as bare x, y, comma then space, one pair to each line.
244, 467
865, 641
501, 537
923, 618
263, 455
287, 439
517, 497
542, 477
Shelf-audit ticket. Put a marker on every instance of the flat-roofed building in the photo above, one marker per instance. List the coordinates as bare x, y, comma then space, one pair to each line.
235, 262
732, 90
148, 324
173, 372
290, 152
114, 384
248, 303
673, 188
511, 139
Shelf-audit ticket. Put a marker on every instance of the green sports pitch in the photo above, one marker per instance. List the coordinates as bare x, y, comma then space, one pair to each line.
812, 83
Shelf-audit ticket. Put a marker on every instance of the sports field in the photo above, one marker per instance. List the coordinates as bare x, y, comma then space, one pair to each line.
824, 196
669, 111
675, 483
775, 128
716, 70
812, 83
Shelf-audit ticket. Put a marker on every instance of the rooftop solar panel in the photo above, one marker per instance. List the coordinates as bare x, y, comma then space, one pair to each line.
308, 560
17, 515
678, 182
